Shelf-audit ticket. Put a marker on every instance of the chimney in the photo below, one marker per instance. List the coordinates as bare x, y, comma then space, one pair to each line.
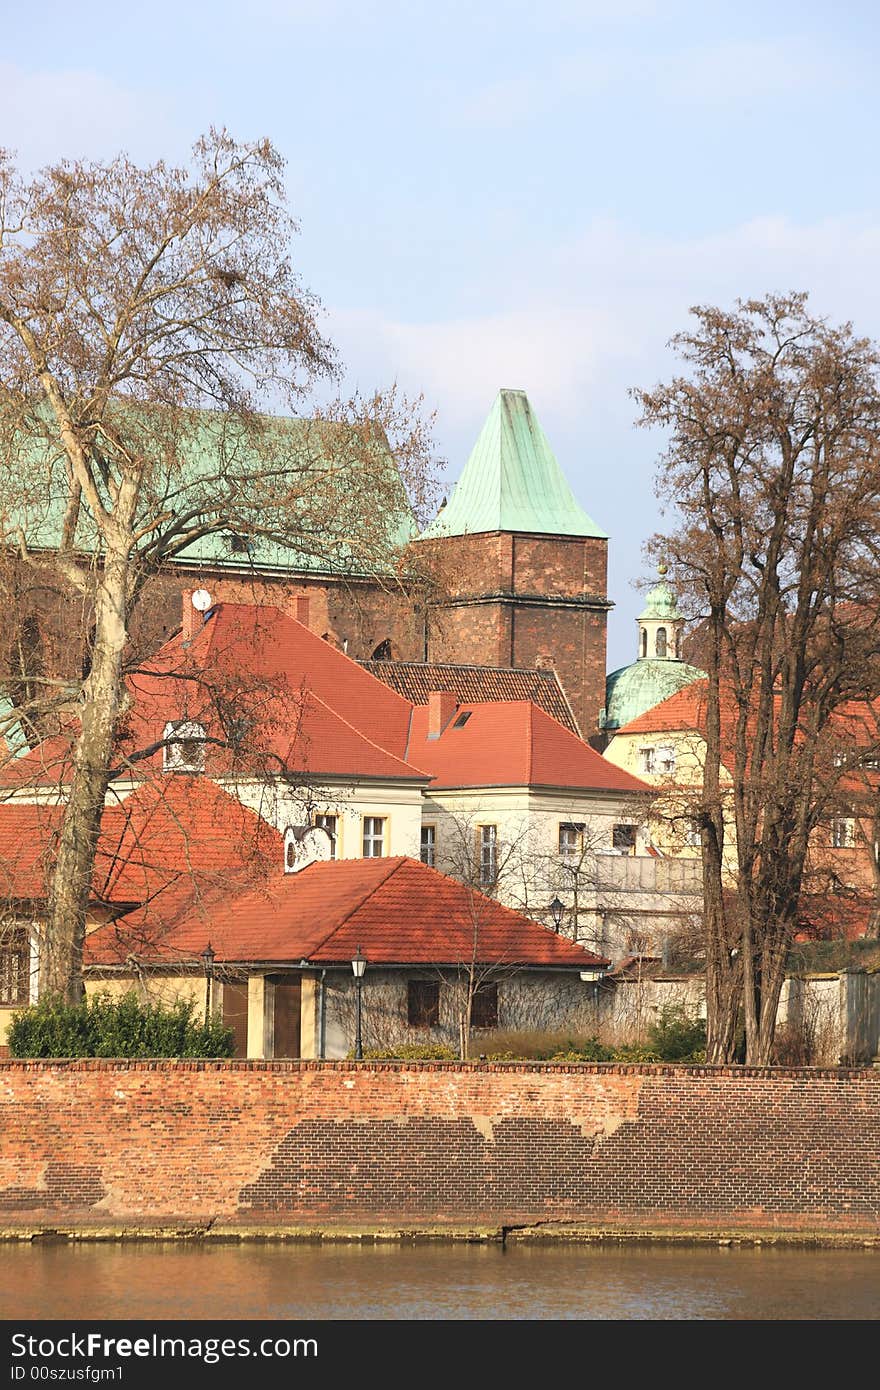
302, 610
442, 705
192, 621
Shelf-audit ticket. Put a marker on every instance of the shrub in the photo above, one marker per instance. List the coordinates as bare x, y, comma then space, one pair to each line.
677, 1035
102, 1026
410, 1052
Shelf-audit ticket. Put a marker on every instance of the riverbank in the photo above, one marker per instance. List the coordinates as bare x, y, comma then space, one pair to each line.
500, 1235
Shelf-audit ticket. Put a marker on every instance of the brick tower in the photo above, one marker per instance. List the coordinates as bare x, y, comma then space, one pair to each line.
523, 566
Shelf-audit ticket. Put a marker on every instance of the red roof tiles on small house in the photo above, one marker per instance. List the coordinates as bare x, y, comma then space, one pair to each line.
177, 829
399, 911
512, 743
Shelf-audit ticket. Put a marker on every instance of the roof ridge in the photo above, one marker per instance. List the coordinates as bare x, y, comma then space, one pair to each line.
400, 861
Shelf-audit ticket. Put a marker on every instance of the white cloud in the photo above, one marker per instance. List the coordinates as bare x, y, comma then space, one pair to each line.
46, 116
599, 321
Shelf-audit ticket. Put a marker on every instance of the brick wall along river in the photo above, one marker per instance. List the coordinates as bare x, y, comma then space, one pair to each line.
99, 1143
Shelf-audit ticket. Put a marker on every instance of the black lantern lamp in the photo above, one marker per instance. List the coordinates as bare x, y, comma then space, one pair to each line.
208, 958
557, 911
358, 966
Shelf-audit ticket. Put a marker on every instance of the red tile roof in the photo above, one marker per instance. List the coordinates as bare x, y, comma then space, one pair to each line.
475, 684
397, 910
512, 743
248, 638
177, 830
28, 839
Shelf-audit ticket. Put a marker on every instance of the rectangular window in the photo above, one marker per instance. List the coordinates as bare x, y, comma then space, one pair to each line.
843, 832
484, 1006
374, 837
666, 760
693, 836
15, 965
623, 839
328, 823
647, 759
423, 1003
488, 846
571, 840
428, 845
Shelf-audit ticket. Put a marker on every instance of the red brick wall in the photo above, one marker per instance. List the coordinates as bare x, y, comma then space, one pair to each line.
643, 1148
520, 630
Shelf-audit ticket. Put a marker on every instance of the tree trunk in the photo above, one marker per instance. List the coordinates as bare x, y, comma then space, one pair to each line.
71, 887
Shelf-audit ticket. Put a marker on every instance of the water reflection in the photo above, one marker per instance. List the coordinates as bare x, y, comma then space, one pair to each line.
171, 1280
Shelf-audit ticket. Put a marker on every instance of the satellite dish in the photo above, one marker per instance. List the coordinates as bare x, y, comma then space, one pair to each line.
201, 600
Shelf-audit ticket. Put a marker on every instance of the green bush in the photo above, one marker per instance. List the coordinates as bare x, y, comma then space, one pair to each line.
677, 1035
102, 1026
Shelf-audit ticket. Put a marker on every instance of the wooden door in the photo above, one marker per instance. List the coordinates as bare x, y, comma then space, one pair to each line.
235, 1013
288, 990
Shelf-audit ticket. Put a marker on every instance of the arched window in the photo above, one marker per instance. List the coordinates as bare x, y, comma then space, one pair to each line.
643, 641
184, 747
383, 651
290, 850
660, 641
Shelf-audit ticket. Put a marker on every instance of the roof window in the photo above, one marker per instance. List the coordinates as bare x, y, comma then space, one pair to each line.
462, 719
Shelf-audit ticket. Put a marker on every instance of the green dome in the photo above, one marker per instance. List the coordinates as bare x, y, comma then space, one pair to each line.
661, 604
636, 688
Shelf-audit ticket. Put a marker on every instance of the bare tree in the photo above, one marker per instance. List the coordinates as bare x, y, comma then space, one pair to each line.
772, 467
147, 316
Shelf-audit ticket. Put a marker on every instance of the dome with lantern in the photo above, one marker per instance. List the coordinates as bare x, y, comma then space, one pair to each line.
659, 670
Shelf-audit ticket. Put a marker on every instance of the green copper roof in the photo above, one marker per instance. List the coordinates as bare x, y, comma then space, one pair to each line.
337, 496
639, 687
512, 482
661, 603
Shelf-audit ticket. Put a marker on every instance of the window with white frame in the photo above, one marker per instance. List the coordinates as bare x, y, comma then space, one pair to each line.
843, 832
487, 843
374, 837
428, 846
183, 747
571, 840
666, 759
693, 835
328, 823
647, 759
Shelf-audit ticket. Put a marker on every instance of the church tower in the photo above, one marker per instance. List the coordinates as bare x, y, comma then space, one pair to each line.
524, 568
658, 671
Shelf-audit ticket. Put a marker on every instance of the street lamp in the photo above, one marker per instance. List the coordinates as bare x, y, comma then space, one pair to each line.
208, 958
557, 910
358, 966
592, 977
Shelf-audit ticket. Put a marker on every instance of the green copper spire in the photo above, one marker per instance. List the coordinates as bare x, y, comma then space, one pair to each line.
512, 482
661, 603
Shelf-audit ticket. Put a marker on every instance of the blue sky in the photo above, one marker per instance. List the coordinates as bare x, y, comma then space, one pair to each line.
507, 193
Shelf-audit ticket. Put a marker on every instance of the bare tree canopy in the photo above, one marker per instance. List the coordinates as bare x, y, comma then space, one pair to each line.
772, 468
149, 318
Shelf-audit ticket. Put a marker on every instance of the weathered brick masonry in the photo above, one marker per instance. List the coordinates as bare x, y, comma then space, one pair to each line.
646, 1148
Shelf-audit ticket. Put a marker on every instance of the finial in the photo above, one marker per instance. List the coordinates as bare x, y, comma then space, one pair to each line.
662, 569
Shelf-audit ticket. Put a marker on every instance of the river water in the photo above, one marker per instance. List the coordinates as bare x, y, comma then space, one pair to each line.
543, 1281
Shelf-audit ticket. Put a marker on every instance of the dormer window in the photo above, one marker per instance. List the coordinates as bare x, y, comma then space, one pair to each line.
184, 747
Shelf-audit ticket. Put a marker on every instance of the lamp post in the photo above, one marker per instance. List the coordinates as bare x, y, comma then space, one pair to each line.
208, 957
557, 909
358, 966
